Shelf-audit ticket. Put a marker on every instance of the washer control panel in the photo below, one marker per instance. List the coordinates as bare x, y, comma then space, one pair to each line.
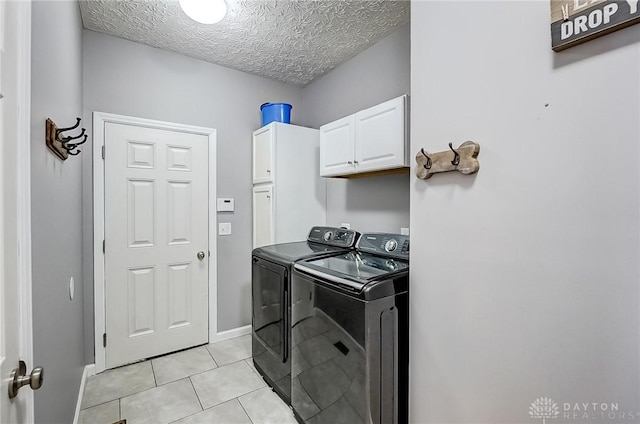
333, 236
387, 244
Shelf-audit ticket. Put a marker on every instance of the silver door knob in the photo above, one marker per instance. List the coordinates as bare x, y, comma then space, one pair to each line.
201, 255
19, 378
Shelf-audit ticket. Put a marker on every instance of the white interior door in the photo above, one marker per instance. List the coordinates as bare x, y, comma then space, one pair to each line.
15, 284
156, 241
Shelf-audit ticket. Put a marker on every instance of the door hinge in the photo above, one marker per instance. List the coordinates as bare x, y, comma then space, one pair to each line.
103, 151
104, 244
104, 340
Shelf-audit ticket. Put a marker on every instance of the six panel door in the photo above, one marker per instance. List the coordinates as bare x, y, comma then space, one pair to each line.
156, 222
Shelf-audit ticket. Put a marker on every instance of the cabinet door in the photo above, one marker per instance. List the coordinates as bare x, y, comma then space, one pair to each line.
263, 224
336, 147
263, 147
381, 136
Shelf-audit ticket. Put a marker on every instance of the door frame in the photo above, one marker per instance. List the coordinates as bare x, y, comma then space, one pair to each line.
23, 183
100, 119
24, 193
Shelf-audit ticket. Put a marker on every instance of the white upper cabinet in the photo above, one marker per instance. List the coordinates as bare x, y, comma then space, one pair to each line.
337, 147
263, 160
380, 136
374, 139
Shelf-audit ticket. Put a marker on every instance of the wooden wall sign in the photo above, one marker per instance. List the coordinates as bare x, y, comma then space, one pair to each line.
576, 21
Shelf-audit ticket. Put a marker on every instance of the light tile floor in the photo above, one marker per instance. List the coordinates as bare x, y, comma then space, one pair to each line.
212, 384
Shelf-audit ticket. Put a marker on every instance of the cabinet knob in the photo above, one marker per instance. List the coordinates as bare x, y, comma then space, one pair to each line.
268, 171
355, 162
350, 163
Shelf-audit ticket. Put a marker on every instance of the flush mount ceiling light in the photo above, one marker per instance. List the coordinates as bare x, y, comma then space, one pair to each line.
204, 11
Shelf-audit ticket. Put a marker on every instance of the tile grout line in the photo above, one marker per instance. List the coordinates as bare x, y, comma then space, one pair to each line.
211, 354
243, 408
100, 404
196, 392
153, 371
223, 341
272, 392
265, 386
225, 365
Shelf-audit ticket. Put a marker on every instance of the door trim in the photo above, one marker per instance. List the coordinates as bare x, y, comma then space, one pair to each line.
100, 119
23, 150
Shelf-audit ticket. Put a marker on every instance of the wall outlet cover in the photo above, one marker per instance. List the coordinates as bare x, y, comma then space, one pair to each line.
224, 228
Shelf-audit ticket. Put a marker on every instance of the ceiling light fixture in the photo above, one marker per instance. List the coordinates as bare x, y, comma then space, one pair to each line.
204, 11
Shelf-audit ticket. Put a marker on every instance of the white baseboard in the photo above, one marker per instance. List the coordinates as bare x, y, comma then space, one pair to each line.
230, 334
89, 370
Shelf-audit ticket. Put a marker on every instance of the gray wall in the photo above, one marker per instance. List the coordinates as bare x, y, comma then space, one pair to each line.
380, 73
524, 278
132, 79
56, 196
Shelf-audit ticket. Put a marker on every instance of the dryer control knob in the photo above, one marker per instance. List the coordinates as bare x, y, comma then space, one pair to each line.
390, 245
327, 235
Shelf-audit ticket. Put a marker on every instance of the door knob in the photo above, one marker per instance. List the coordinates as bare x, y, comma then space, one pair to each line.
19, 378
201, 255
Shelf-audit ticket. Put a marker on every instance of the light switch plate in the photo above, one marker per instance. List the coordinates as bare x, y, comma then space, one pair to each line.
224, 228
225, 205
345, 225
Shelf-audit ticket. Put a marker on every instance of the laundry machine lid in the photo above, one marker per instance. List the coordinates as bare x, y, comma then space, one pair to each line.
354, 269
291, 252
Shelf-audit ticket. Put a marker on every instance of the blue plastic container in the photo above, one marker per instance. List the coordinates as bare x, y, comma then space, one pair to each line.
279, 112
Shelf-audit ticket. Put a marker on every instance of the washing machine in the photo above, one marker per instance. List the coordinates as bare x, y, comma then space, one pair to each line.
272, 303
350, 334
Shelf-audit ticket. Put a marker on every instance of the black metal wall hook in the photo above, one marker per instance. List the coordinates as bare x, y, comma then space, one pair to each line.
73, 146
456, 158
66, 140
63, 146
73, 127
427, 165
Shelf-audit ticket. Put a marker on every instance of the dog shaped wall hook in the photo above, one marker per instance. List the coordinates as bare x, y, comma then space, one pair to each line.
463, 159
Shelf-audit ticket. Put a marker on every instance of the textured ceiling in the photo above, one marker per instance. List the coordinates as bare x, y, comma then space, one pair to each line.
294, 41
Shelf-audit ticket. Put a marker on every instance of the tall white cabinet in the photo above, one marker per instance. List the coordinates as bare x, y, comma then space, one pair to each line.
288, 193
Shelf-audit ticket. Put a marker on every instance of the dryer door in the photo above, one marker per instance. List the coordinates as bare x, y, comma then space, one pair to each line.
270, 294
